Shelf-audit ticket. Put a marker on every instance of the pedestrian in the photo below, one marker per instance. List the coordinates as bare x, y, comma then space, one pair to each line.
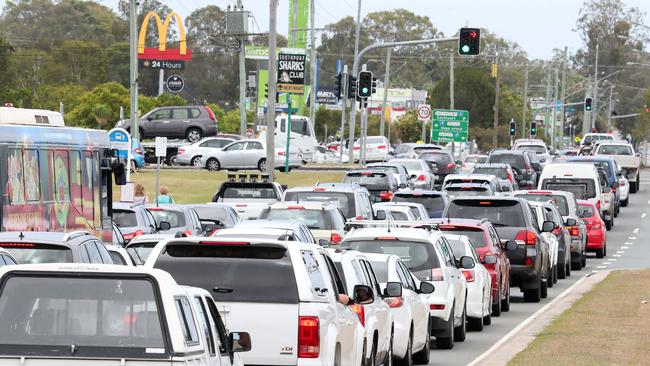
140, 197
164, 197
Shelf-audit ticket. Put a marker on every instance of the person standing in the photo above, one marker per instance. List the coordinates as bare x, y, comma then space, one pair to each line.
140, 196
164, 197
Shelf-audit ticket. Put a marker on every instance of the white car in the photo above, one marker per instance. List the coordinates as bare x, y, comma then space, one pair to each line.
479, 284
399, 213
624, 190
377, 148
111, 314
288, 295
248, 154
418, 209
544, 213
375, 317
409, 309
535, 145
191, 154
429, 257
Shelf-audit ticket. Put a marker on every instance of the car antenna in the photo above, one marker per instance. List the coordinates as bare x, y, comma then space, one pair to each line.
388, 220
21, 236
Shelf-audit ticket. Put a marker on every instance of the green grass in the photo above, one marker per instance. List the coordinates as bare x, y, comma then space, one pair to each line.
608, 326
198, 186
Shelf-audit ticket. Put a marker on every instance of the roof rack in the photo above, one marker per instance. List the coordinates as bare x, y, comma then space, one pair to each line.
74, 234
428, 225
248, 178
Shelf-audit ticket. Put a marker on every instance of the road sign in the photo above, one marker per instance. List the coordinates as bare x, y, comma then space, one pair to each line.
424, 113
162, 64
120, 140
291, 73
175, 83
577, 139
161, 147
449, 125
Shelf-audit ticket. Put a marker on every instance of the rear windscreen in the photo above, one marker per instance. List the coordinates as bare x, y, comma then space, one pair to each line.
515, 160
537, 149
615, 150
440, 158
476, 159
239, 273
559, 201
213, 213
477, 236
588, 210
368, 179
174, 218
431, 202
39, 253
125, 218
400, 216
249, 192
140, 251
313, 219
501, 173
344, 201
581, 188
417, 256
498, 212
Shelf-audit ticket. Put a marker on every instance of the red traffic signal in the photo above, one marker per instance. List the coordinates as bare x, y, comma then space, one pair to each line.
469, 41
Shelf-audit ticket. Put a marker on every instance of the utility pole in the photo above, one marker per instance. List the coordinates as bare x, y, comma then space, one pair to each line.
273, 75
547, 110
382, 124
312, 65
243, 123
594, 113
133, 66
161, 81
355, 72
523, 114
563, 94
294, 21
496, 103
451, 96
364, 121
554, 118
344, 85
586, 119
609, 109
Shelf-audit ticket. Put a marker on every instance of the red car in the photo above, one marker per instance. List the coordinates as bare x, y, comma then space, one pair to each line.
492, 254
596, 231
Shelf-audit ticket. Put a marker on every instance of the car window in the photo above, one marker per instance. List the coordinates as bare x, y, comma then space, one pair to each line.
125, 218
93, 252
174, 218
235, 147
184, 312
409, 276
8, 259
161, 114
313, 270
337, 283
516, 161
194, 112
498, 212
180, 113
446, 252
313, 219
205, 323
117, 258
476, 234
402, 277
373, 283
254, 146
559, 200
344, 201
222, 333
106, 257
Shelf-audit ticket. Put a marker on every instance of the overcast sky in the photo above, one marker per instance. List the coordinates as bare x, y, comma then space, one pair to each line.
537, 26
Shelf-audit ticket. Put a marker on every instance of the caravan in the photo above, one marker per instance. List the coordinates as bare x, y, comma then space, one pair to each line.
302, 135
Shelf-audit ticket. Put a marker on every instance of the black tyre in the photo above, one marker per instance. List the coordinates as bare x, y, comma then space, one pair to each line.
487, 320
213, 165
505, 303
609, 224
532, 295
555, 274
496, 305
568, 268
625, 202
549, 279
196, 161
605, 250
261, 165
447, 342
600, 252
389, 360
561, 270
584, 260
373, 354
193, 134
543, 289
475, 324
460, 332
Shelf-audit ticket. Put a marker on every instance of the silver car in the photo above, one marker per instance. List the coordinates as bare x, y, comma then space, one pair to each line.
191, 154
419, 171
248, 154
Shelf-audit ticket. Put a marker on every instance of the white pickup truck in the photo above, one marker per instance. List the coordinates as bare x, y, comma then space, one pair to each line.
248, 196
625, 158
87, 315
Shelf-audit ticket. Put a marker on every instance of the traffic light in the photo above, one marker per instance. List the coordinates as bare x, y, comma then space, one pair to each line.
364, 90
513, 128
352, 87
374, 85
533, 128
266, 93
588, 102
338, 89
469, 42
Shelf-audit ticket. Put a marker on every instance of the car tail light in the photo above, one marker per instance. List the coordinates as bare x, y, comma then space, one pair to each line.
138, 150
357, 148
437, 306
622, 183
437, 275
130, 236
360, 311
187, 232
241, 205
598, 204
451, 166
211, 113
386, 196
335, 238
528, 261
359, 217
469, 275
394, 302
155, 209
422, 177
181, 151
385, 238
308, 337
282, 153
511, 177
527, 237
381, 147
320, 189
296, 208
17, 245
574, 230
596, 226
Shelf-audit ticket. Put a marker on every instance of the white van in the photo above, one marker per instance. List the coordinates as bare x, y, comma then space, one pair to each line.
302, 135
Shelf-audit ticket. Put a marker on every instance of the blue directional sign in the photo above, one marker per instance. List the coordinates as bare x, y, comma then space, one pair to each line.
121, 141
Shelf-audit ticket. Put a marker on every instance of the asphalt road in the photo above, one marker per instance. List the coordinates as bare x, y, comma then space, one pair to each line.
625, 250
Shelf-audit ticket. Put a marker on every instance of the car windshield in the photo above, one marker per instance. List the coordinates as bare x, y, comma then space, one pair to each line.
125, 218
368, 179
419, 257
477, 236
399, 215
249, 193
581, 188
615, 150
498, 212
140, 251
174, 218
344, 201
430, 202
515, 160
39, 253
412, 166
537, 149
47, 315
313, 219
501, 173
559, 200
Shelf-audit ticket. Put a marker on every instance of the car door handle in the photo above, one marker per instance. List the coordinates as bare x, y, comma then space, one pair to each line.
186, 121
342, 321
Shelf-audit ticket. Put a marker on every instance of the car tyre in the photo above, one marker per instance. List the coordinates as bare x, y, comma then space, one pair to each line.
561, 271
487, 320
625, 202
261, 165
475, 324
422, 357
388, 361
447, 342
196, 161
460, 332
532, 295
608, 224
584, 260
213, 165
193, 134
505, 303
568, 267
550, 277
600, 252
543, 289
497, 305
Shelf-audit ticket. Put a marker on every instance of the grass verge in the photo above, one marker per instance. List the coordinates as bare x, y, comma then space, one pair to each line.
198, 186
610, 325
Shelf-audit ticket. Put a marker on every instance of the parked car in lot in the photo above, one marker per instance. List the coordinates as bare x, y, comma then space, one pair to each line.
409, 309
191, 154
248, 154
520, 162
324, 220
377, 321
352, 199
380, 184
133, 220
111, 313
215, 216
514, 220
300, 292
429, 257
433, 201
479, 284
32, 247
189, 122
596, 232
171, 219
503, 172
420, 173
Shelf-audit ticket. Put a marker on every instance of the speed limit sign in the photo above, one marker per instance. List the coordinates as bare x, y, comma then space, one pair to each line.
424, 112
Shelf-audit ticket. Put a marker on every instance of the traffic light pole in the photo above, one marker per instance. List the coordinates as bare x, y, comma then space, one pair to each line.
355, 71
273, 74
133, 61
344, 86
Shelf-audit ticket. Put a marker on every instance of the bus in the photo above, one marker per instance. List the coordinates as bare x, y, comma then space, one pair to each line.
54, 178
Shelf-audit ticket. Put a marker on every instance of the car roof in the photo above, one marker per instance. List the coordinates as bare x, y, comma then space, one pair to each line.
126, 206
328, 187
542, 191
83, 268
148, 238
488, 198
462, 222
269, 224
244, 231
492, 165
604, 143
586, 203
166, 207
53, 238
512, 152
397, 232
307, 205
419, 192
236, 241
472, 176
382, 206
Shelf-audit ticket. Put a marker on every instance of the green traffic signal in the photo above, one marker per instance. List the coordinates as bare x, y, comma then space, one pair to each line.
465, 49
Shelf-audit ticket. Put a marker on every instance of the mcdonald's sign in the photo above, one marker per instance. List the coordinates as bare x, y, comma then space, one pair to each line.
162, 52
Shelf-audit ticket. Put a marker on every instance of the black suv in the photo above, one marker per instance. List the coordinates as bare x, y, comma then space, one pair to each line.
189, 122
520, 163
514, 220
379, 182
440, 162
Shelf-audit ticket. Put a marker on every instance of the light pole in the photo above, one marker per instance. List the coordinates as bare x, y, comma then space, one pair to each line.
133, 66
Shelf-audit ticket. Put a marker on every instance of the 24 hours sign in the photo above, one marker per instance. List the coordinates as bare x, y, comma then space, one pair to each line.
291, 73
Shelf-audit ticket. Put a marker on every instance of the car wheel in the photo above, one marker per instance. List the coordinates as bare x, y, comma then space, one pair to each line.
388, 361
193, 134
408, 356
600, 252
561, 271
460, 332
261, 166
505, 303
213, 165
487, 320
373, 354
422, 357
173, 160
550, 277
475, 324
625, 202
543, 289
605, 249
555, 274
196, 161
584, 260
532, 295
447, 342
363, 354
568, 267
496, 305
608, 224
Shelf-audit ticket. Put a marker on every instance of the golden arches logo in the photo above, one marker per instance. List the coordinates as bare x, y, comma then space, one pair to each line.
162, 52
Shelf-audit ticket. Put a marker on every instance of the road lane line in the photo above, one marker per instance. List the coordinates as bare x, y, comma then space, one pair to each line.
643, 215
620, 251
625, 247
611, 259
525, 323
602, 267
636, 231
628, 243
632, 237
617, 255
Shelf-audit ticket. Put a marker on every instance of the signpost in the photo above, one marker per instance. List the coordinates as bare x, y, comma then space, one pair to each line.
175, 83
424, 115
291, 80
161, 152
120, 140
450, 125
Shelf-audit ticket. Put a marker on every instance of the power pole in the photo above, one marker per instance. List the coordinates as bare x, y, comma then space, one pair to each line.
355, 72
133, 66
382, 124
609, 109
563, 95
294, 21
344, 86
554, 118
312, 66
496, 103
594, 113
273, 75
243, 123
523, 114
586, 119
547, 110
451, 96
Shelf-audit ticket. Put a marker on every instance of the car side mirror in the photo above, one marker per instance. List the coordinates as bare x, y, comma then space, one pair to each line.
571, 222
490, 259
511, 246
467, 262
380, 215
323, 242
548, 226
426, 288
402, 185
239, 342
164, 226
505, 189
363, 295
393, 289
149, 118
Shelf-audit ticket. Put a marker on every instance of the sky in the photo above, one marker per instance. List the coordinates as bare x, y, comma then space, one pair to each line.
537, 26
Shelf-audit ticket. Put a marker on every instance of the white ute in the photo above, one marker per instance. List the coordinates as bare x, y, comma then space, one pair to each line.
625, 158
87, 315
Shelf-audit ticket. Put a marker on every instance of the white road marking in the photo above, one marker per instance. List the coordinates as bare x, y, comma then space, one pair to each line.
602, 267
643, 215
625, 247
628, 243
617, 255
636, 231
632, 238
649, 202
620, 251
612, 260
